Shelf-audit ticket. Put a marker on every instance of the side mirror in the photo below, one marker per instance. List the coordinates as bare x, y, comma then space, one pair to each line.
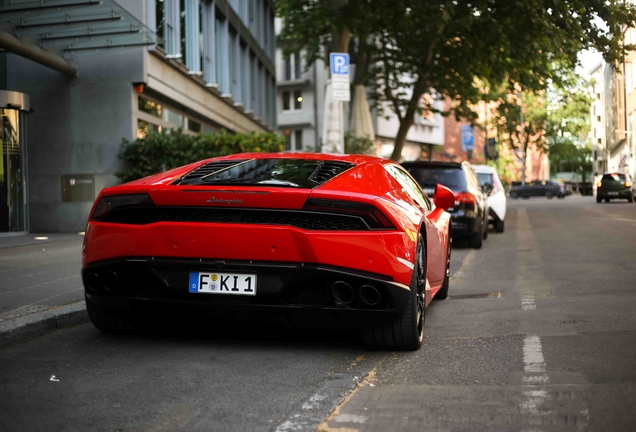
487, 188
443, 197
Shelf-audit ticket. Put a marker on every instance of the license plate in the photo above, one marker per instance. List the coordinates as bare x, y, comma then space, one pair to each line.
612, 193
223, 283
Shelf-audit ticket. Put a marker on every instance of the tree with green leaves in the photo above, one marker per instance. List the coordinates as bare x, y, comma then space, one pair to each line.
412, 47
567, 131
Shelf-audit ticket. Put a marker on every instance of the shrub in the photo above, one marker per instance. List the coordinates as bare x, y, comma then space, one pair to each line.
160, 151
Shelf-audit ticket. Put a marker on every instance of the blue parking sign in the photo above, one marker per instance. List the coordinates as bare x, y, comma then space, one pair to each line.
339, 63
468, 138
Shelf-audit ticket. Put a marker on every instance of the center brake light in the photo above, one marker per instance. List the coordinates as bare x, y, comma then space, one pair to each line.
373, 217
465, 198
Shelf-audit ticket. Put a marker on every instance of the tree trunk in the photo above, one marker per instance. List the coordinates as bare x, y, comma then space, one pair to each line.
400, 139
341, 41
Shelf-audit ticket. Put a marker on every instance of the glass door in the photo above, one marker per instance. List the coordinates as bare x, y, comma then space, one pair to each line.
12, 174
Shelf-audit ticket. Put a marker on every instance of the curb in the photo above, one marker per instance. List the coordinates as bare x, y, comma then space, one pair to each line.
30, 322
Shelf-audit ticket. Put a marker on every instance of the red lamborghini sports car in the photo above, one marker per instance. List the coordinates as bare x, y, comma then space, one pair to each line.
341, 239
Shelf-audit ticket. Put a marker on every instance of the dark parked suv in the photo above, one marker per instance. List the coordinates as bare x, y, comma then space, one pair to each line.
615, 185
469, 217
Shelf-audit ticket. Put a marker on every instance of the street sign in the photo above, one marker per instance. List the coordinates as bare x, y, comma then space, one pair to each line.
340, 77
339, 64
468, 138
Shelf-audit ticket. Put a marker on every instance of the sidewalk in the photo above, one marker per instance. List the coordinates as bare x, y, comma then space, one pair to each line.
40, 285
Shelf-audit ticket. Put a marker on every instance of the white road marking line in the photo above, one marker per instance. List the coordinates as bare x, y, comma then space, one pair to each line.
533, 355
527, 302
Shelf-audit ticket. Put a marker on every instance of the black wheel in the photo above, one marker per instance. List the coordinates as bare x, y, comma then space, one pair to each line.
108, 322
406, 332
443, 291
499, 226
549, 194
514, 194
599, 199
476, 240
485, 235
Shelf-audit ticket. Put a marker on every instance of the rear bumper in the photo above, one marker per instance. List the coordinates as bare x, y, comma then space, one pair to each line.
147, 284
623, 193
386, 253
463, 226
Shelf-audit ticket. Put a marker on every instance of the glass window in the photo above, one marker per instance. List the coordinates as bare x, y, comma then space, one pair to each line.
173, 117
485, 178
428, 177
281, 172
150, 107
298, 137
161, 21
194, 126
144, 128
288, 140
411, 188
297, 66
288, 68
298, 99
286, 101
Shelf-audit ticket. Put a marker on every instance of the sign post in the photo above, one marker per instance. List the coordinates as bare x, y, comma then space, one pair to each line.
339, 93
468, 140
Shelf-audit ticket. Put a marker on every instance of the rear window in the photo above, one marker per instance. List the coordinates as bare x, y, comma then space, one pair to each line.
283, 172
428, 177
614, 177
485, 178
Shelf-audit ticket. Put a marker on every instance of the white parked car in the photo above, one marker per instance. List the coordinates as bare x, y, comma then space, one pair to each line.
496, 197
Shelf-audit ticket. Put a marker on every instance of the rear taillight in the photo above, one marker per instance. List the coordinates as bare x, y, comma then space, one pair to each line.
599, 184
110, 203
373, 217
628, 184
465, 198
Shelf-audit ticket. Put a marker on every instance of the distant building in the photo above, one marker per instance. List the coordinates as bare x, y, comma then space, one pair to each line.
600, 153
95, 73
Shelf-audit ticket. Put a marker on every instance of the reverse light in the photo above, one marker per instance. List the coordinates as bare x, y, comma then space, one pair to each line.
373, 217
110, 203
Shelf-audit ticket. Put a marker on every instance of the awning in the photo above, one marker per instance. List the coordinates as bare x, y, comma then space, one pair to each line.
51, 31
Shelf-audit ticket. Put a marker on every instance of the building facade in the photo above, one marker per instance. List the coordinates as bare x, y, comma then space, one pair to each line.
95, 74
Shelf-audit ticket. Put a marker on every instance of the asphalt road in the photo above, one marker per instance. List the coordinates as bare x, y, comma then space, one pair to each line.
538, 334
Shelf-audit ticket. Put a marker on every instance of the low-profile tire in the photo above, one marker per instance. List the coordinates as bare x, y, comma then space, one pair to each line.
499, 226
599, 199
549, 194
108, 322
442, 294
406, 332
476, 240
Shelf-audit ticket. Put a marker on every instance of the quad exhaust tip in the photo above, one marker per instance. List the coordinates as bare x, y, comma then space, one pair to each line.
370, 295
110, 281
343, 293
92, 281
